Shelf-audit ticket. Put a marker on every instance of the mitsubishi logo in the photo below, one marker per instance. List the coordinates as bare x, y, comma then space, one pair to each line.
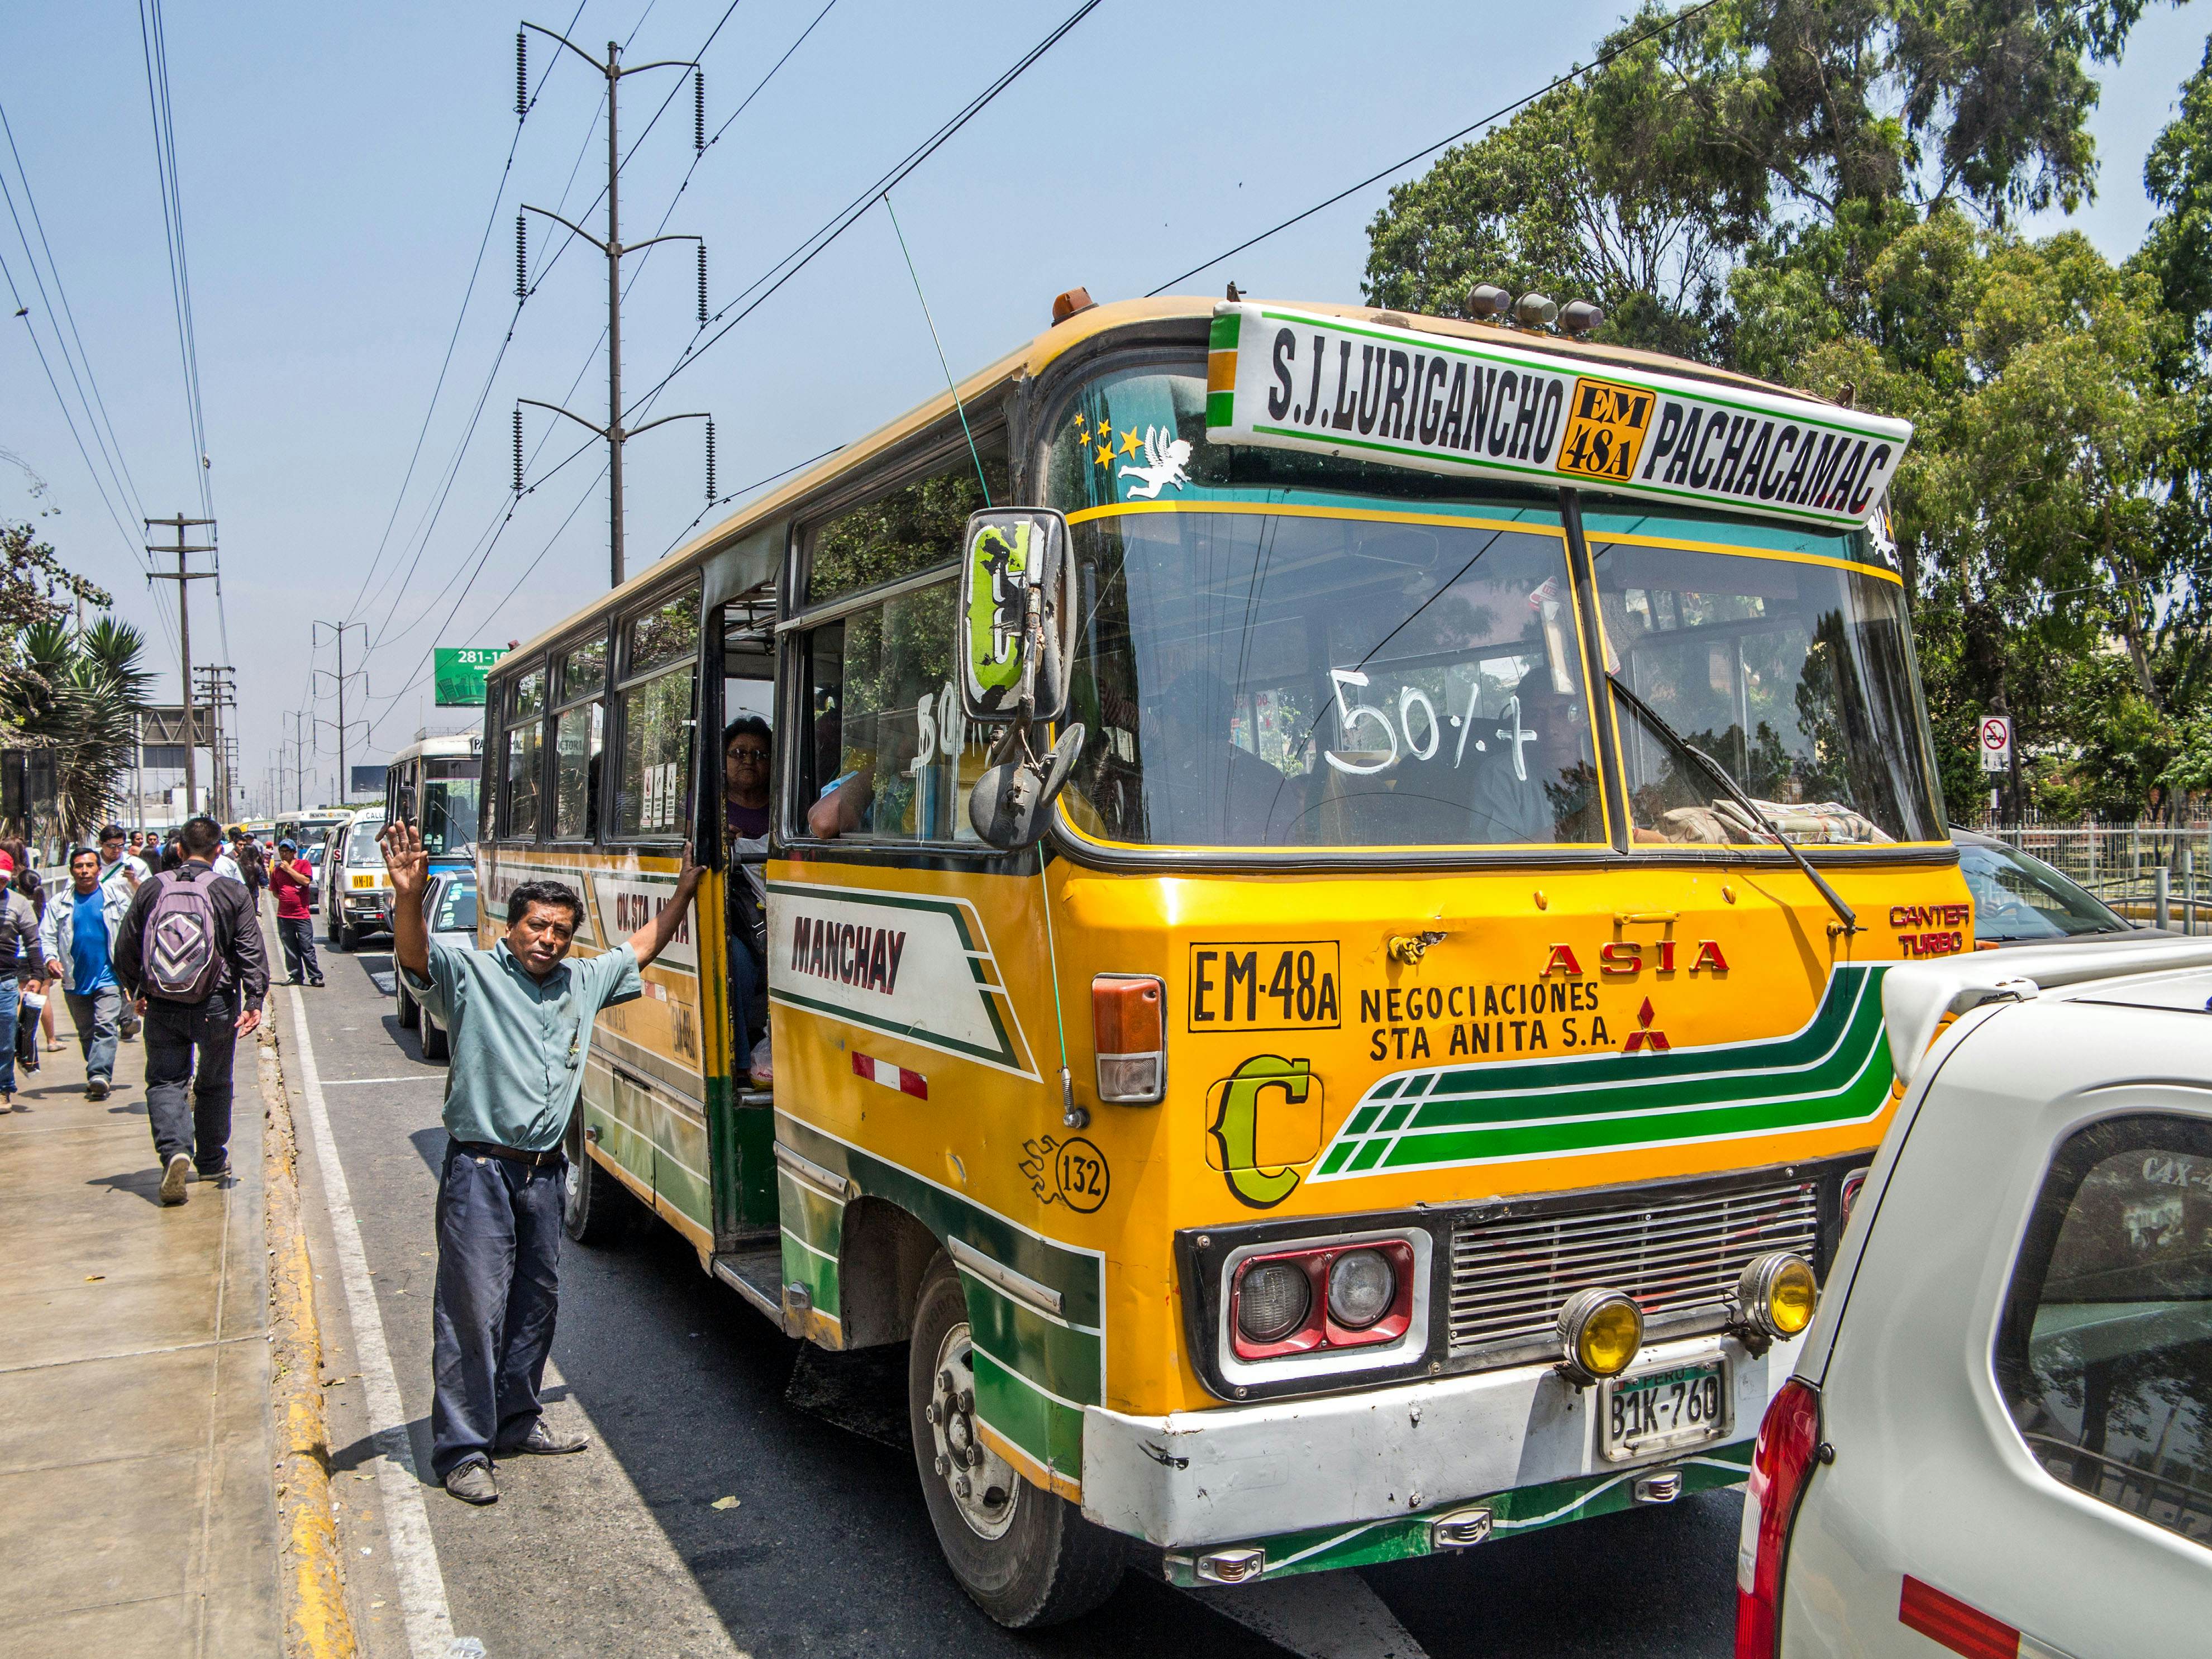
1645, 1036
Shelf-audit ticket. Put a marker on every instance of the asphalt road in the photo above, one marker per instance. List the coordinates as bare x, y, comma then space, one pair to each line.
691, 1399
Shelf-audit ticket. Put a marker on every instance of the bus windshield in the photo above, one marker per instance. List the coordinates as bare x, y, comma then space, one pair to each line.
1778, 653
447, 812
1277, 649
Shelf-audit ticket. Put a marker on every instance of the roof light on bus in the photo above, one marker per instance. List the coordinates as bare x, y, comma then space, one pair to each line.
1128, 1021
1579, 317
1065, 305
1776, 1295
1600, 1331
1488, 302
1533, 310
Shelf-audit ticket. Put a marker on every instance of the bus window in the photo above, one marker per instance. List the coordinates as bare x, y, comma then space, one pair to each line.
658, 709
447, 798
894, 756
913, 529
1793, 672
525, 730
579, 735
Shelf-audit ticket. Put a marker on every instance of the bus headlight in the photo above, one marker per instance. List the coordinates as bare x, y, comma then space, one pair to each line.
1362, 1286
1601, 1331
1273, 1300
1776, 1295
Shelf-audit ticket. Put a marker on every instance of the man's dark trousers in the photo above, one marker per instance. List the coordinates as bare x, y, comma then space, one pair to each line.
499, 1289
297, 935
189, 1106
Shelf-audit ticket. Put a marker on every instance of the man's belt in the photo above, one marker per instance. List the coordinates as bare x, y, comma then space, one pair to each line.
511, 1154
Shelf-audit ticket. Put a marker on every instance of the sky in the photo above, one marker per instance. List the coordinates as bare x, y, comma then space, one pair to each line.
339, 168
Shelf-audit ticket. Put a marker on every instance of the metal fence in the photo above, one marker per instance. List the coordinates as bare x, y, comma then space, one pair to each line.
2154, 873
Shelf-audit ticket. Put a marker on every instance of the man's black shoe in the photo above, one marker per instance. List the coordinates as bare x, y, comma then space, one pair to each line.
541, 1442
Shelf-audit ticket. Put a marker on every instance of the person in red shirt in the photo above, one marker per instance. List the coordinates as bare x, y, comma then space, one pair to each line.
292, 879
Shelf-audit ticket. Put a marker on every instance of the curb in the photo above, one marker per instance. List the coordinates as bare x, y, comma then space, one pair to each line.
316, 1623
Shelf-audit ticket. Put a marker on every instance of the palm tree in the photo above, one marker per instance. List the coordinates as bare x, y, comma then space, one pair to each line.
77, 694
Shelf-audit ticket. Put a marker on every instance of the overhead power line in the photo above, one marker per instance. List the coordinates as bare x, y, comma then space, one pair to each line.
800, 257
1599, 62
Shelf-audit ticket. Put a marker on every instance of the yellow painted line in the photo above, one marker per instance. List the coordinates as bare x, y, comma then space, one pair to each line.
1299, 510
1683, 544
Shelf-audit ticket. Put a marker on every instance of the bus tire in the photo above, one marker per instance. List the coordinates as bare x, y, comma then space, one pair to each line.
337, 933
436, 1045
410, 1013
596, 1209
1030, 1560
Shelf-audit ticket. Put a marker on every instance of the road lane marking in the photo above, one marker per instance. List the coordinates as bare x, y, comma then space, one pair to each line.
428, 1620
414, 1076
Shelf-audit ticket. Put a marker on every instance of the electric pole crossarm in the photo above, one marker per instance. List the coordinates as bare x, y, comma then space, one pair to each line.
662, 63
551, 34
549, 213
632, 432
596, 431
672, 236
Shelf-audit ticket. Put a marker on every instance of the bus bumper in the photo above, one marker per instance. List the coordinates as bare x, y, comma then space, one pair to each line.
1349, 1479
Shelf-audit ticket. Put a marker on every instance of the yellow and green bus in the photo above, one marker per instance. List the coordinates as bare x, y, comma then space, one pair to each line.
1321, 911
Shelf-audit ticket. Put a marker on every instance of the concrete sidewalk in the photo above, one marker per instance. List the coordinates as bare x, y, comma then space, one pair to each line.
137, 1508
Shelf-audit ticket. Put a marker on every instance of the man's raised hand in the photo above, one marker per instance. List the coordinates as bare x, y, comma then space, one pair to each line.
405, 860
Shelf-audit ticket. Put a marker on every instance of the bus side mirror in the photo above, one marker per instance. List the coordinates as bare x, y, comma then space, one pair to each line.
1011, 802
1016, 615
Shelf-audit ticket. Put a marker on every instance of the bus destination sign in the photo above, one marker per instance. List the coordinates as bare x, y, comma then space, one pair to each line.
1480, 408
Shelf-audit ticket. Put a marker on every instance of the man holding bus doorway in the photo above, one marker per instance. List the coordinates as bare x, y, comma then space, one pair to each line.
519, 1018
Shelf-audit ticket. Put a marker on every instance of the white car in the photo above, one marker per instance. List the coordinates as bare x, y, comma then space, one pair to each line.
449, 905
357, 891
1998, 1438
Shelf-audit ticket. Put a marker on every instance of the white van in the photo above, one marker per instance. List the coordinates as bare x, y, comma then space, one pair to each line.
356, 892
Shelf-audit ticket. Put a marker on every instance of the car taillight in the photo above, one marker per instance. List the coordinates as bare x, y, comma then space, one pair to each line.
1128, 1021
1335, 1296
1781, 1464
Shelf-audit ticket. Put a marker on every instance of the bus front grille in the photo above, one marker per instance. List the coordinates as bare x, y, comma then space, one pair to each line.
1680, 1261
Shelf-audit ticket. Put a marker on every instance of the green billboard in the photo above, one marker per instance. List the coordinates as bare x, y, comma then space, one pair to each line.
460, 670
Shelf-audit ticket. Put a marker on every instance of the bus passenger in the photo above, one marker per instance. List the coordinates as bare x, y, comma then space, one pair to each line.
748, 750
1201, 787
1537, 799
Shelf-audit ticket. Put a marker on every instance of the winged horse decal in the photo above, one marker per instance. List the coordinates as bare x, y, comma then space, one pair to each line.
1165, 457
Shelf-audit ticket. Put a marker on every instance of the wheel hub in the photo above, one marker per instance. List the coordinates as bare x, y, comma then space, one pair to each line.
983, 1485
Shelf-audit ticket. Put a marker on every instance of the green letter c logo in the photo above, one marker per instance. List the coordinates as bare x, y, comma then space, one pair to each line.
1236, 1127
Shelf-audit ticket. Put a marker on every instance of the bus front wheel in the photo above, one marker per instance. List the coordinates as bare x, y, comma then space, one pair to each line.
1025, 1555
595, 1209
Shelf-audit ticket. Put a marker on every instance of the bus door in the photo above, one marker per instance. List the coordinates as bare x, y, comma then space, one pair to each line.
741, 782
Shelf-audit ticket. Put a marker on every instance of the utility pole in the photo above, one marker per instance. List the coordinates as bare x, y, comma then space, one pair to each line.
303, 733
185, 630
338, 631
221, 692
613, 248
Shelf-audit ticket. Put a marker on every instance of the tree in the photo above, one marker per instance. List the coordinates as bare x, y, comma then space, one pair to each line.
76, 692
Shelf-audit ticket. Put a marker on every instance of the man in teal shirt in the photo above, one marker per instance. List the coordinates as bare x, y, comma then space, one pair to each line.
519, 1017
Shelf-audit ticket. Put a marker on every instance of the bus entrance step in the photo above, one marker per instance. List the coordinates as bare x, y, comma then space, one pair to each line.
755, 1275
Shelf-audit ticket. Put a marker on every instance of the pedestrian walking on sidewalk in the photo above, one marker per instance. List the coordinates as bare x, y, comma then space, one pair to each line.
293, 879
189, 954
77, 940
121, 870
19, 944
34, 1011
251, 870
519, 1018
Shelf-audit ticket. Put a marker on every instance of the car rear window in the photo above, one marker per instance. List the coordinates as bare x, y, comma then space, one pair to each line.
2105, 1352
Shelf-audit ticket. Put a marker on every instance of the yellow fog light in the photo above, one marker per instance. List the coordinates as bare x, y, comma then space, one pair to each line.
1600, 1331
1776, 1295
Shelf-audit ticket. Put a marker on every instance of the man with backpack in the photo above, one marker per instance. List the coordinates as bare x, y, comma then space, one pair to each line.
190, 954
